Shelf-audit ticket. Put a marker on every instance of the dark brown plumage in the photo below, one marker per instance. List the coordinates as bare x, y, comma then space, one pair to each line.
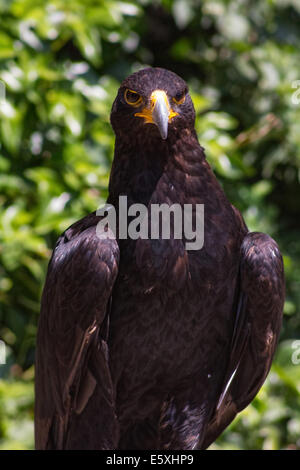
142, 344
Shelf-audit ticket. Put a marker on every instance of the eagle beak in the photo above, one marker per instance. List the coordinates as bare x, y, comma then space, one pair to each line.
159, 113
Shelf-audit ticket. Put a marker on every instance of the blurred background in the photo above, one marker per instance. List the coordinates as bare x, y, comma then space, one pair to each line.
61, 63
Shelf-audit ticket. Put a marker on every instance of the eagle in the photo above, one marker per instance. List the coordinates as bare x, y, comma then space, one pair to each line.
142, 343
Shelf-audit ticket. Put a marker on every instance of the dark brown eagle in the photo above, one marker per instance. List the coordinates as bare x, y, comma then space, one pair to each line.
143, 344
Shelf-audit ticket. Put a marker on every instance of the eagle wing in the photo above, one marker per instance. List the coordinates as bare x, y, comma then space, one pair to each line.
258, 310
73, 383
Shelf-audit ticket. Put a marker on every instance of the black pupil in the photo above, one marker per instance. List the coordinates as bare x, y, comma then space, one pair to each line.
132, 97
179, 96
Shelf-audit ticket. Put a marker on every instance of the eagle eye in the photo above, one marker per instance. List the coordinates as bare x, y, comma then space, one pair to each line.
132, 97
179, 98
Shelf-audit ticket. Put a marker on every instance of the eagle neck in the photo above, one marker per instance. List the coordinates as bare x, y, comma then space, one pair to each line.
139, 165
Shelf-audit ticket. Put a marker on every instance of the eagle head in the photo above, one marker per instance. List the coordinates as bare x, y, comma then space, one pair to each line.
152, 100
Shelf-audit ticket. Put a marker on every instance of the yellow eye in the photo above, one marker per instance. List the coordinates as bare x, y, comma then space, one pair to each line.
179, 98
132, 97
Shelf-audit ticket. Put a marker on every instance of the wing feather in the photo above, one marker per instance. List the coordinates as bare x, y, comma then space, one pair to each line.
79, 284
259, 309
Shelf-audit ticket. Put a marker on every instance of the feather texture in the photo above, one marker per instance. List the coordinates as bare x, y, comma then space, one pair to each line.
143, 344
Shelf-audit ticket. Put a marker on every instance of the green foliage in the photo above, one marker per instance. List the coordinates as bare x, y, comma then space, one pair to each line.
16, 415
60, 66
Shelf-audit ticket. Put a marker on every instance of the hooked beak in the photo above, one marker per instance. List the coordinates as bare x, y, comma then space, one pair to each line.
159, 112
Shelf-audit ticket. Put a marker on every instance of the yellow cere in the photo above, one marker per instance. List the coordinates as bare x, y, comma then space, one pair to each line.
157, 95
